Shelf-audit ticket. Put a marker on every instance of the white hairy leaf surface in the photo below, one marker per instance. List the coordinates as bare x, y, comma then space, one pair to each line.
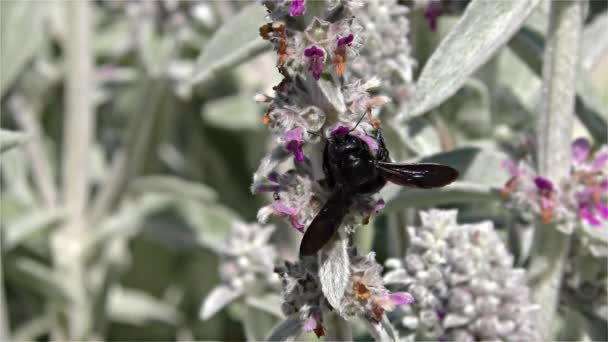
334, 271
484, 27
217, 299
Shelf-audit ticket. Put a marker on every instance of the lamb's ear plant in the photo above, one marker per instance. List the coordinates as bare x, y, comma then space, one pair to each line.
131, 130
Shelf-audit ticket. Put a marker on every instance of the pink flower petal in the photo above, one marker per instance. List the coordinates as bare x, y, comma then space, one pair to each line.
281, 208
580, 150
293, 219
602, 209
586, 214
400, 298
297, 8
296, 134
544, 185
371, 142
379, 205
340, 130
599, 162
310, 324
510, 166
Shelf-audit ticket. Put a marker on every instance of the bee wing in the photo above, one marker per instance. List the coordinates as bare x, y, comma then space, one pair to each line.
426, 175
327, 221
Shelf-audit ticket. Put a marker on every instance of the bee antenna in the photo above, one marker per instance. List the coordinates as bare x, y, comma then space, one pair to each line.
358, 122
313, 133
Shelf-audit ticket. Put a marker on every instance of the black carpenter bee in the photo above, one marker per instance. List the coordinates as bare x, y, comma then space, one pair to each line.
352, 169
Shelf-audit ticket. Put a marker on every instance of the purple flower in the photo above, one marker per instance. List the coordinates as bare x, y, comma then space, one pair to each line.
345, 40
294, 140
510, 166
390, 301
580, 150
315, 55
544, 185
291, 213
297, 8
545, 190
379, 205
591, 203
313, 323
401, 298
599, 162
432, 11
340, 130
371, 142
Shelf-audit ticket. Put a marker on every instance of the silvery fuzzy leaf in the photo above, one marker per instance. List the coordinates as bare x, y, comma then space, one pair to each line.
334, 271
452, 320
217, 299
11, 139
595, 41
484, 27
270, 303
596, 238
137, 307
237, 112
332, 100
590, 109
268, 164
35, 276
420, 136
32, 223
174, 186
286, 330
19, 20
235, 42
212, 223
382, 331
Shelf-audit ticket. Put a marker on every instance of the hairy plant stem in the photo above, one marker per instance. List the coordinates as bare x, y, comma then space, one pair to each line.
78, 129
554, 133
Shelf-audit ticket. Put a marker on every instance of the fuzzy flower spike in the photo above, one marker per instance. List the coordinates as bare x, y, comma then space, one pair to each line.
303, 113
583, 195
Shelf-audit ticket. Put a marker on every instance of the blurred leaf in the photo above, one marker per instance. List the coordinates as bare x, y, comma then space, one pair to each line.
235, 42
217, 299
334, 270
31, 223
175, 187
21, 33
458, 192
212, 223
270, 303
137, 307
236, 112
595, 41
420, 136
286, 330
484, 27
529, 46
34, 328
11, 139
36, 277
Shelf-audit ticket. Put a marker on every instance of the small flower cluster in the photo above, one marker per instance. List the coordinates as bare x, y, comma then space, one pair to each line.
387, 52
365, 294
583, 194
247, 257
465, 286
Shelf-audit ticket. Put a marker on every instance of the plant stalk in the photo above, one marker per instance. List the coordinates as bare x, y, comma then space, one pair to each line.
555, 133
78, 128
